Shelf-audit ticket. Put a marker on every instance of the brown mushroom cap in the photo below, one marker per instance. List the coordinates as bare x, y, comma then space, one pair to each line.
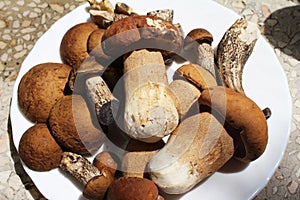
198, 35
98, 185
71, 124
243, 114
38, 149
40, 88
129, 188
197, 75
73, 47
140, 32
94, 44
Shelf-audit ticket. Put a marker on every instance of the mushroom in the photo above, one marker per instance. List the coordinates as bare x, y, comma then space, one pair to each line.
197, 47
73, 47
95, 181
197, 148
129, 188
234, 50
104, 159
196, 75
102, 100
40, 88
150, 113
38, 149
73, 127
142, 32
186, 97
244, 115
134, 163
87, 81
135, 160
94, 44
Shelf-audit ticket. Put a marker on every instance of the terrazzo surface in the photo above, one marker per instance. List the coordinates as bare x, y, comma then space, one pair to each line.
23, 22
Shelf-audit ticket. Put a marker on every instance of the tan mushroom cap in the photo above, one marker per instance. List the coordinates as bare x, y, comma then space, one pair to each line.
73, 47
38, 149
40, 88
72, 126
243, 114
197, 75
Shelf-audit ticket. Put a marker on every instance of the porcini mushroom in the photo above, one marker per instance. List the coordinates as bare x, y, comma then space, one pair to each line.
243, 114
104, 159
73, 47
150, 113
197, 148
40, 88
129, 188
234, 50
186, 96
95, 182
142, 32
197, 47
73, 127
197, 75
38, 149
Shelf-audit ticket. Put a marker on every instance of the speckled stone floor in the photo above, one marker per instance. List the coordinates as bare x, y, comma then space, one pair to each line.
22, 22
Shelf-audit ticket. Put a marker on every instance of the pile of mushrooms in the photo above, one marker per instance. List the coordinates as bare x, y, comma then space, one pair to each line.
113, 89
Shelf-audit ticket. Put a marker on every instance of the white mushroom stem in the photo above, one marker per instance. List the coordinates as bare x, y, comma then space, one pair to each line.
79, 167
196, 149
187, 96
150, 113
205, 58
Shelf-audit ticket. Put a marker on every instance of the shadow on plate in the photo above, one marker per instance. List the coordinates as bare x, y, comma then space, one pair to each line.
233, 166
282, 29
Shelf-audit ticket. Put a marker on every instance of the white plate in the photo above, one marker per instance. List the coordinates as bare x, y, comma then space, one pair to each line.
264, 82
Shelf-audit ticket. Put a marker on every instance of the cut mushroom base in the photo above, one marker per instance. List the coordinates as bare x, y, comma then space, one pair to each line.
198, 147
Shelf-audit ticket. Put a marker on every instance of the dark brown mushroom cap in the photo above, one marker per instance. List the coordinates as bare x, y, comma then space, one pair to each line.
40, 88
129, 188
197, 36
73, 47
140, 32
72, 126
38, 149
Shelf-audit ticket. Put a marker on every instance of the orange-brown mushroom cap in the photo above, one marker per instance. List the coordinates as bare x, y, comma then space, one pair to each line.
197, 75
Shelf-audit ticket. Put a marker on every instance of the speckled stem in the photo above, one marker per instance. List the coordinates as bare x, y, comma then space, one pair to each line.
233, 52
79, 167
